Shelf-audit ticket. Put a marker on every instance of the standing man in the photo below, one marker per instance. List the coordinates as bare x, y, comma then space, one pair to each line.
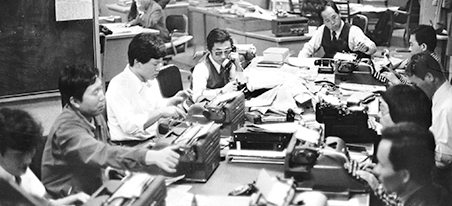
215, 73
135, 103
425, 72
337, 36
77, 148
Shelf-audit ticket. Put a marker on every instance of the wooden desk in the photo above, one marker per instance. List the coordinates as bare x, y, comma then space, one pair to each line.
265, 39
116, 46
179, 7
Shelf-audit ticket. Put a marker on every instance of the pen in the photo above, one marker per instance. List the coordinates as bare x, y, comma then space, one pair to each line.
69, 191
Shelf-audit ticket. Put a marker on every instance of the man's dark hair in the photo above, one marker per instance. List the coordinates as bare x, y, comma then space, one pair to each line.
408, 103
325, 4
144, 47
422, 63
218, 35
18, 130
412, 149
425, 34
74, 80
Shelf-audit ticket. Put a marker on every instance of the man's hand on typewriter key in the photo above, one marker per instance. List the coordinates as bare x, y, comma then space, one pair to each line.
166, 159
180, 97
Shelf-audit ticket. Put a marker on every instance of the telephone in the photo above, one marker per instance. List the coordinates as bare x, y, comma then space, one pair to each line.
227, 63
323, 167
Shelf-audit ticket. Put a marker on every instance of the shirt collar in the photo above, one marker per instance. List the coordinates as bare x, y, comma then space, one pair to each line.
6, 175
78, 113
442, 90
340, 30
134, 81
215, 64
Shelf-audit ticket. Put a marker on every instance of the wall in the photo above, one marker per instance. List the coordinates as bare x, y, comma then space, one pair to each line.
44, 110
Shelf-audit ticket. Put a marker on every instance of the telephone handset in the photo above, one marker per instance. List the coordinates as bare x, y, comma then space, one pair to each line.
227, 63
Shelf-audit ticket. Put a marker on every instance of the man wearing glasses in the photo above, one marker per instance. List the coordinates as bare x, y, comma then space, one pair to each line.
215, 73
134, 101
337, 36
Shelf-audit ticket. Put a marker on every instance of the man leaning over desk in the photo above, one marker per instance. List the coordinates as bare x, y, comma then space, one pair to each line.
337, 36
134, 101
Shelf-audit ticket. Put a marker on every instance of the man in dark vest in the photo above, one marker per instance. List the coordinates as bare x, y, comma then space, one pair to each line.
216, 72
337, 36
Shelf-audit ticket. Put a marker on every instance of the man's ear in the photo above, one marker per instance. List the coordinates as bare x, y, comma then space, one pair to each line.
405, 175
424, 47
74, 102
429, 77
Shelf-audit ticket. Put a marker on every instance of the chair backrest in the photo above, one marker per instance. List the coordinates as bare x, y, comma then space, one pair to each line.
170, 81
361, 21
177, 22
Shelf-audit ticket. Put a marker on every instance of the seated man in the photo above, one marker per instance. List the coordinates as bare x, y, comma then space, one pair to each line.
149, 14
425, 72
216, 72
406, 159
20, 135
135, 103
77, 148
401, 103
422, 39
337, 36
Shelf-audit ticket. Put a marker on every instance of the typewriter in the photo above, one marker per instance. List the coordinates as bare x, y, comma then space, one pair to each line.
359, 71
200, 149
349, 123
325, 167
147, 190
225, 109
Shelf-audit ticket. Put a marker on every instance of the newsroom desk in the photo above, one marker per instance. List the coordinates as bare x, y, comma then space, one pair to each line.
204, 19
265, 39
116, 46
230, 175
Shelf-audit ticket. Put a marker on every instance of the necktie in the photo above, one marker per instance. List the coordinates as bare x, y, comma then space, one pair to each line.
18, 179
334, 36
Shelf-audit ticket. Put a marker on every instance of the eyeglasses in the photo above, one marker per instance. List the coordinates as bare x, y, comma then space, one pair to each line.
225, 52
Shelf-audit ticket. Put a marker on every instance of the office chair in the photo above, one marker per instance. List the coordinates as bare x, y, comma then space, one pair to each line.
412, 20
344, 9
177, 25
361, 21
170, 80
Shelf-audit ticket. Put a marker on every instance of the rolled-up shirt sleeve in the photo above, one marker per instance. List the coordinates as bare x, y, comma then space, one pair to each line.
357, 36
313, 44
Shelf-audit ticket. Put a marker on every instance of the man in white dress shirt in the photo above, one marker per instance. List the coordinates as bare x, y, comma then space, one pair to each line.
337, 36
134, 101
19, 135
